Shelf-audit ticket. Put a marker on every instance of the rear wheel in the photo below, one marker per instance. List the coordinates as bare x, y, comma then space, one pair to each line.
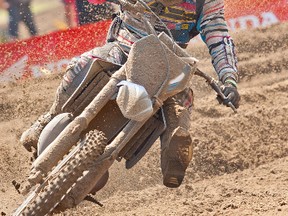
49, 194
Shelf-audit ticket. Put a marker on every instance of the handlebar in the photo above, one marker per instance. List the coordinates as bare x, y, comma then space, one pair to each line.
216, 87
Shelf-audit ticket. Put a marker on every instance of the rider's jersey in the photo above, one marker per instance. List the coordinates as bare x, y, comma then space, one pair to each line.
180, 19
183, 21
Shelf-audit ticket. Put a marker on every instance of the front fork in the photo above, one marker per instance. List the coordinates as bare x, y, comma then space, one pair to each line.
71, 134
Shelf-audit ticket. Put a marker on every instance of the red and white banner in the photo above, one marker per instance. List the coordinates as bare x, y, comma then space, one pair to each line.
244, 14
50, 53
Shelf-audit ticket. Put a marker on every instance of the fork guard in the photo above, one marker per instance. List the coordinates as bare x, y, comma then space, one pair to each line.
144, 139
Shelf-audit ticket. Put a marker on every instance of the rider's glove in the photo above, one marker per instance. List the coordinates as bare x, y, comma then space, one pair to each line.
229, 89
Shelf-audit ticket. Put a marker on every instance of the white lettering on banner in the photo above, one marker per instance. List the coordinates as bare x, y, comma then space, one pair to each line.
243, 22
50, 68
15, 71
269, 18
252, 21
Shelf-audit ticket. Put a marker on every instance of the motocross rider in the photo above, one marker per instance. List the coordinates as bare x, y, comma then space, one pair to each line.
185, 19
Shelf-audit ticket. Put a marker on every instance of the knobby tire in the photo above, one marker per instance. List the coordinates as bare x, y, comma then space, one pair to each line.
58, 185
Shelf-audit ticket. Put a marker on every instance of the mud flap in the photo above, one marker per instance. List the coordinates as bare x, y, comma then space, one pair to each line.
144, 139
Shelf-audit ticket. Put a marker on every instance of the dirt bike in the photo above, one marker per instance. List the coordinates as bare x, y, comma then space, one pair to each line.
114, 114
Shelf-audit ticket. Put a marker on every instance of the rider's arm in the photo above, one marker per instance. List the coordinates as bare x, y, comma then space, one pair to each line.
214, 32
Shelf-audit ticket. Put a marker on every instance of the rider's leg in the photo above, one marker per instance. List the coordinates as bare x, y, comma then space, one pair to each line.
30, 137
176, 142
75, 73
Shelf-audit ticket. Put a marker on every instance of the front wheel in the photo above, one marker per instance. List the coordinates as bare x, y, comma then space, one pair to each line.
58, 183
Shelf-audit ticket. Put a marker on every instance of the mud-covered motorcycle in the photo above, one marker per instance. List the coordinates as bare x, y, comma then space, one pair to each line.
114, 114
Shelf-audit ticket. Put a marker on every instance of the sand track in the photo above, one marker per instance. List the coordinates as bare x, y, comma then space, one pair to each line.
240, 164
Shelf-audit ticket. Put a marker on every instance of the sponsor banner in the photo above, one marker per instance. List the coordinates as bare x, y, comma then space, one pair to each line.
50, 53
245, 14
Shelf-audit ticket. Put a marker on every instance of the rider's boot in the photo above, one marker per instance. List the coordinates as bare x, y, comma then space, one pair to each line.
30, 137
176, 142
